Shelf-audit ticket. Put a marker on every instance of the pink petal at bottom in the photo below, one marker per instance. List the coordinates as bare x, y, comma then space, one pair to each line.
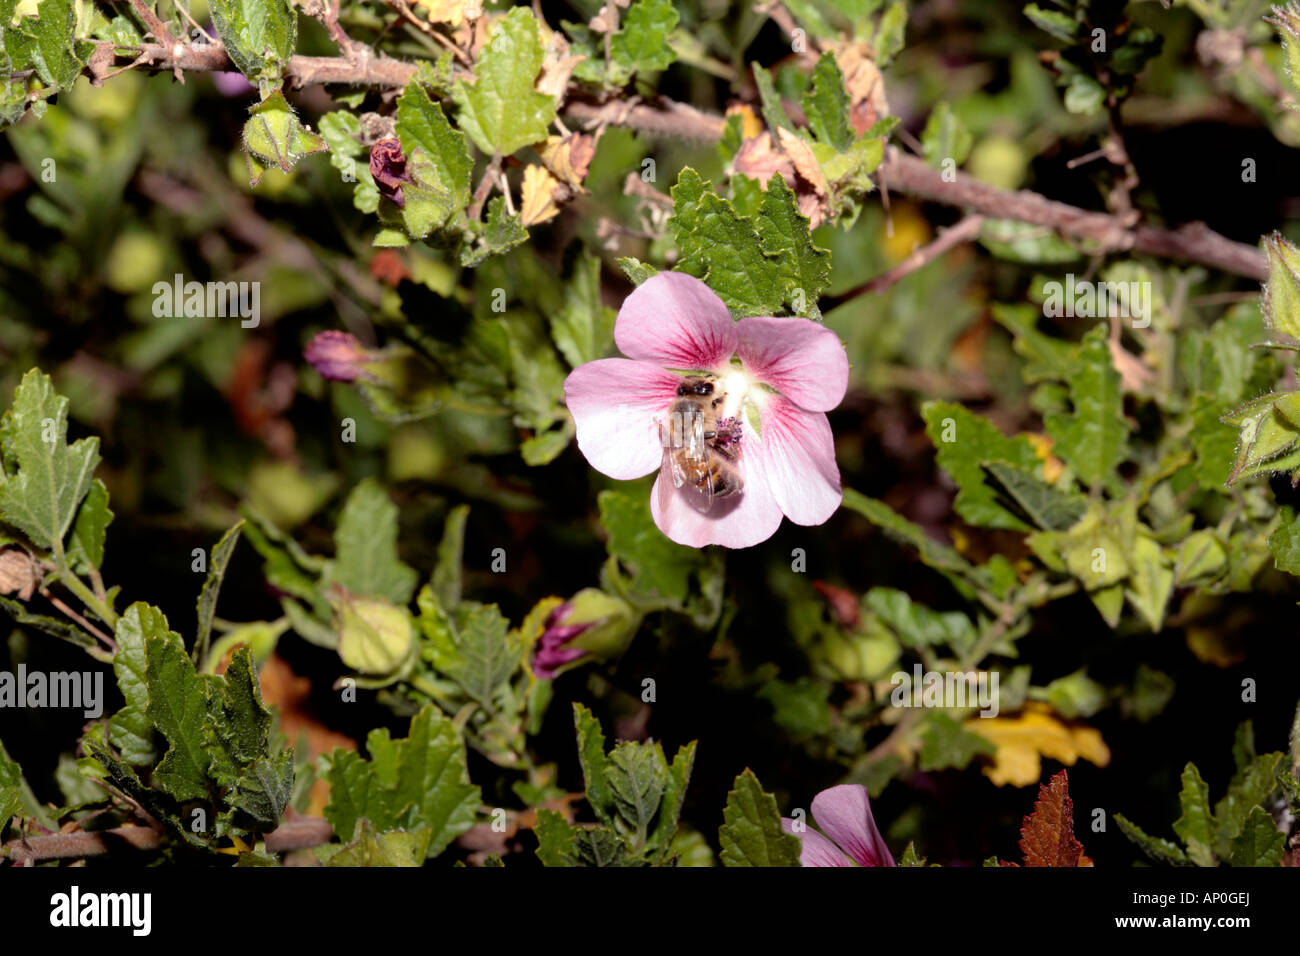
816, 850
844, 813
798, 456
733, 522
617, 406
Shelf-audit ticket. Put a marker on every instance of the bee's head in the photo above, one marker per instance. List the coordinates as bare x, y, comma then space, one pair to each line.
695, 386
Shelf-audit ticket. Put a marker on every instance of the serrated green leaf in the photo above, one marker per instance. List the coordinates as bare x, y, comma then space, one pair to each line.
207, 603
366, 561
236, 737
501, 232
964, 441
53, 476
591, 754
1044, 505
641, 43
1151, 580
260, 794
1195, 827
1266, 438
177, 707
636, 782
751, 833
259, 35
660, 568
438, 162
583, 326
889, 34
1093, 440
1162, 851
1260, 842
826, 105
407, 784
773, 112
502, 111
472, 645
803, 268
130, 729
86, 546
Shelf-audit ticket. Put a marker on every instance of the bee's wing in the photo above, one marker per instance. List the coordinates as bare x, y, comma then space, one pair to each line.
698, 486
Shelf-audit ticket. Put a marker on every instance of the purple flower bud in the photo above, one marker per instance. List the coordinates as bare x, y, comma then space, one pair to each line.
388, 167
551, 653
338, 356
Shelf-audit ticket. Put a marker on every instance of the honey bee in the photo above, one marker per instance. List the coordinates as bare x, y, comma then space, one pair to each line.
702, 449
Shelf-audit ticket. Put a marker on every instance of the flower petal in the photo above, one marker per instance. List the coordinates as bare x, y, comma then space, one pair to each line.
816, 850
804, 361
797, 451
675, 320
844, 813
733, 522
617, 406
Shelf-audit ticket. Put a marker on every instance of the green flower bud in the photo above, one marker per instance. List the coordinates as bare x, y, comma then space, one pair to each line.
375, 636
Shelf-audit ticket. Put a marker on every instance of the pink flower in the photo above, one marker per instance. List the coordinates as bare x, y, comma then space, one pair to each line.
844, 815
777, 377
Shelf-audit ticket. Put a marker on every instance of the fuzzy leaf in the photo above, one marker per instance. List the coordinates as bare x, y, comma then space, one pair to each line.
503, 111
751, 833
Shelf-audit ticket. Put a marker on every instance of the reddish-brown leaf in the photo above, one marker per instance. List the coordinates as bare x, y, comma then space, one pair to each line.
1047, 836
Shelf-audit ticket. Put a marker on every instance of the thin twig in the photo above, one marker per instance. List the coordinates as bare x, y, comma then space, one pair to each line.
964, 231
78, 618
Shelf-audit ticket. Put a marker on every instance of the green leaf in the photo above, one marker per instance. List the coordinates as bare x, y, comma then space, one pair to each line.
502, 111
591, 754
366, 561
1062, 26
86, 546
53, 476
826, 105
583, 326
636, 270
477, 651
1260, 843
773, 112
1084, 95
176, 707
554, 839
130, 729
1196, 826
502, 232
933, 554
259, 35
1267, 437
964, 442
274, 136
945, 137
917, 625
889, 34
1250, 787
1281, 300
446, 579
237, 735
438, 161
421, 781
1151, 580
1044, 505
641, 43
1093, 440
207, 604
341, 129
637, 781
395, 848
946, 743
804, 269
1162, 851
751, 833
260, 794
659, 567
11, 793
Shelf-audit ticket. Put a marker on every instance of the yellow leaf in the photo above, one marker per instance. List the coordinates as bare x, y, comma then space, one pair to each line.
1023, 740
539, 196
750, 124
450, 11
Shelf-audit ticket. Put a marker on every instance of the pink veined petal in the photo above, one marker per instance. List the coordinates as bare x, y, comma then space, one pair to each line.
797, 452
815, 849
804, 361
844, 813
617, 406
675, 320
733, 522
